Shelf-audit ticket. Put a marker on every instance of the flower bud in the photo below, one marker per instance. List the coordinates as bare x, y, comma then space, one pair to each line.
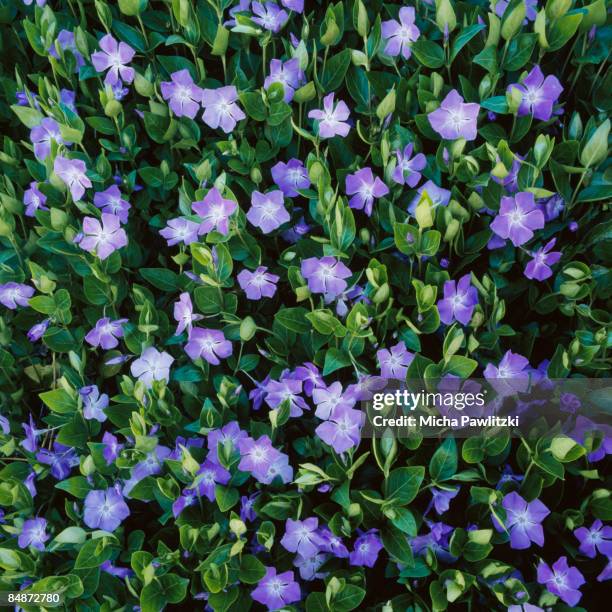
445, 16
513, 19
248, 327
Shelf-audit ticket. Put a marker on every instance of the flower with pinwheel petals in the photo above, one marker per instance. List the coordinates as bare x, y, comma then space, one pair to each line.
455, 118
408, 168
183, 313
394, 362
342, 431
73, 173
210, 344
180, 230
111, 201
42, 135
518, 218
539, 267
562, 580
269, 16
539, 94
267, 210
302, 537
366, 549
215, 211
13, 295
523, 521
593, 539
276, 591
114, 57
332, 118
290, 177
105, 509
364, 187
152, 365
460, 299
94, 403
106, 333
182, 94
288, 74
325, 275
220, 108
34, 199
400, 34
103, 239
34, 534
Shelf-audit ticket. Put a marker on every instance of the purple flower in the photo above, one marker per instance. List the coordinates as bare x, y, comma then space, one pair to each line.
182, 94
437, 195
367, 547
606, 573
30, 443
105, 509
227, 437
597, 538
517, 218
328, 399
215, 212
437, 541
561, 580
208, 476
110, 201
68, 99
290, 176
394, 362
152, 365
119, 572
332, 120
325, 275
94, 404
343, 429
258, 284
66, 42
13, 295
530, 5
455, 118
364, 187
111, 449
267, 210
34, 534
256, 456
105, 333
220, 108
72, 173
209, 344
279, 468
180, 230
333, 544
149, 466
309, 566
183, 313
43, 134
523, 521
38, 330
310, 376
296, 6
269, 16
512, 365
441, 498
34, 199
539, 94
286, 390
288, 73
459, 301
61, 459
408, 168
539, 267
400, 34
247, 513
552, 207
274, 590
301, 537
104, 238
114, 57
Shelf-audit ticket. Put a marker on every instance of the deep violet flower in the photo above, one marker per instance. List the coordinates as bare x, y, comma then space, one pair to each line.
539, 267
366, 549
523, 521
460, 299
562, 580
594, 539
364, 187
518, 218
539, 94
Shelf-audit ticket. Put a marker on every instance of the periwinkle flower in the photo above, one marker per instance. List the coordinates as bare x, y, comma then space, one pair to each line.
594, 539
297, 6
332, 118
152, 365
460, 299
182, 94
539, 267
34, 534
562, 580
286, 390
278, 469
309, 566
106, 332
61, 460
13, 295
531, 7
258, 284
180, 230
512, 365
552, 207
227, 438
103, 239
328, 399
276, 591
94, 403
111, 449
207, 477
105, 509
66, 42
310, 376
441, 498
455, 118
408, 168
517, 219
114, 57
256, 456
523, 521
366, 549
37, 331
342, 430
400, 34
267, 210
269, 16
42, 135
111, 201
68, 99
220, 108
394, 362
290, 177
210, 344
437, 195
215, 211
34, 199
539, 94
288, 74
247, 512
333, 544
302, 537
325, 275
364, 187
72, 172
183, 313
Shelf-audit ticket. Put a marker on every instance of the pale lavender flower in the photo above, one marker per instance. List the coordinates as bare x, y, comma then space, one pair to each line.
72, 172
182, 94
267, 210
180, 230
38, 2
455, 118
209, 344
594, 539
562, 580
105, 509
325, 275
394, 362
310, 376
539, 267
34, 199
215, 211
297, 6
342, 430
106, 333
13, 295
290, 177
302, 537
94, 404
152, 365
510, 376
111, 201
103, 239
286, 390
460, 299
408, 168
364, 187
42, 135
276, 591
309, 566
539, 94
114, 57
288, 74
111, 449
256, 456
66, 42
68, 99
269, 16
220, 108
328, 399
207, 477
37, 331
150, 466
437, 195
517, 218
332, 119
523, 521
183, 314
258, 284
366, 549
34, 534
400, 34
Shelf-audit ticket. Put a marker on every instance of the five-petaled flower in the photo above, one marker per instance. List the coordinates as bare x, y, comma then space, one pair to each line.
455, 118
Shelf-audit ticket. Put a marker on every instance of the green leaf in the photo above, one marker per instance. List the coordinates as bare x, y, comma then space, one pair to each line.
335, 359
349, 598
396, 544
162, 278
402, 484
77, 486
293, 319
428, 53
335, 70
93, 553
227, 497
59, 401
252, 570
30, 117
464, 37
443, 463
